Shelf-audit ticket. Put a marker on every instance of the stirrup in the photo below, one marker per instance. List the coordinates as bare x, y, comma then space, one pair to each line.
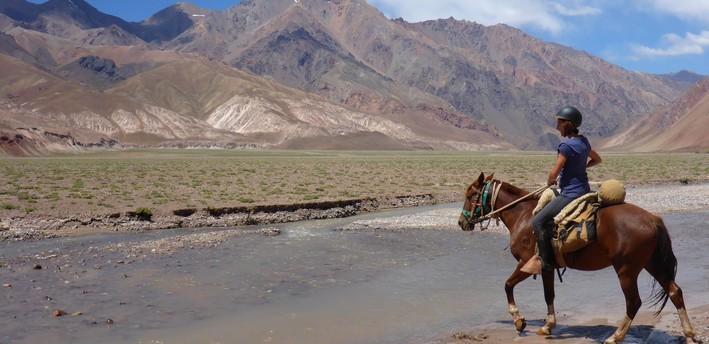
533, 266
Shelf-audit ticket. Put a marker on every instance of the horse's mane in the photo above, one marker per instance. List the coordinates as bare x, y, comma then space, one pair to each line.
514, 190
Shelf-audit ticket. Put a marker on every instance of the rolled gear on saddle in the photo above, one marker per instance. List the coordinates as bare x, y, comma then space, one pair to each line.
611, 192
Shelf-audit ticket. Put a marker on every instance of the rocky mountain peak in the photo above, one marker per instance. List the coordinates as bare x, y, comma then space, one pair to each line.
80, 12
685, 76
302, 73
684, 103
20, 10
170, 22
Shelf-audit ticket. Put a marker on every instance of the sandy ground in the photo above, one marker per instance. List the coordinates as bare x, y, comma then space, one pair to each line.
593, 331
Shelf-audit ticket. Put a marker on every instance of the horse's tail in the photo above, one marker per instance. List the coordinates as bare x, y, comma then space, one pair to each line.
664, 260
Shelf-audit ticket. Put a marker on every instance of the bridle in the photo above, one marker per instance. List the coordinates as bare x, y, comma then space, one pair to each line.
484, 206
481, 204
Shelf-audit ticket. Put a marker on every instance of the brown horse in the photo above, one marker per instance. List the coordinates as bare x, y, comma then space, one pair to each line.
628, 238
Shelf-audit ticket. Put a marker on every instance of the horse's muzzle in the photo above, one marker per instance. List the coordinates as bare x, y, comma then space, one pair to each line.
465, 225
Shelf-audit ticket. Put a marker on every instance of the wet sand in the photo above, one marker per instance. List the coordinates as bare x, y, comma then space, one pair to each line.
645, 329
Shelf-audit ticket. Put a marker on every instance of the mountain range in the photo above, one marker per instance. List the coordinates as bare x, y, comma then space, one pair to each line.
316, 74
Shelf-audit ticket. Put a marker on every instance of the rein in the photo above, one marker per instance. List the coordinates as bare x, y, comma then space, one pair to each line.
479, 215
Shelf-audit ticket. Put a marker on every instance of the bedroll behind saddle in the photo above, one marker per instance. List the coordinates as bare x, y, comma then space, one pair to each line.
611, 192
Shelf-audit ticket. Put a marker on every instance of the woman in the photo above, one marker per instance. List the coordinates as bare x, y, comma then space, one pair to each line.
574, 156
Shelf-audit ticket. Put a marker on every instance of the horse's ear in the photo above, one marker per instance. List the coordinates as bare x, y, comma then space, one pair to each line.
489, 178
481, 179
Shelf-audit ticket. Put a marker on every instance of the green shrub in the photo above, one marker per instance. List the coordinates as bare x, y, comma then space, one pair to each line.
144, 214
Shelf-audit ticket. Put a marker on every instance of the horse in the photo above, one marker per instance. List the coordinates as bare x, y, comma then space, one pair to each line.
629, 239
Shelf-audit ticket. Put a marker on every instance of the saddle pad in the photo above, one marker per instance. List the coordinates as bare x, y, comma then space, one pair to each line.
578, 228
577, 210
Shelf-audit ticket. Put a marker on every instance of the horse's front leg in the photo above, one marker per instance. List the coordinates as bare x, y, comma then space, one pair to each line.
514, 279
548, 282
629, 284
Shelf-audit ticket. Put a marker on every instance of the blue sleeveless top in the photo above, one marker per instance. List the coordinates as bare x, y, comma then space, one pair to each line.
574, 180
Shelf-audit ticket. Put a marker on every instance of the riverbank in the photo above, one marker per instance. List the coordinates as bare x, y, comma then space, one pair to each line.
41, 226
656, 199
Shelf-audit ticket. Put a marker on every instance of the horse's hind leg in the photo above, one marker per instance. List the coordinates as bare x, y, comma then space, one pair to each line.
516, 277
678, 300
663, 267
675, 294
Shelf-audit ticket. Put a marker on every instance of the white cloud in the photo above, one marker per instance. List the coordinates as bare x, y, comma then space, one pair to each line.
673, 44
687, 9
546, 15
579, 11
676, 45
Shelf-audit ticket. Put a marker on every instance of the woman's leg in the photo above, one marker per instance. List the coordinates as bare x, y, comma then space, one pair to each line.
543, 224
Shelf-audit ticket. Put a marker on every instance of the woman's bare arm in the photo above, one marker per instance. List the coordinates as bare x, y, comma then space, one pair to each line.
594, 158
554, 174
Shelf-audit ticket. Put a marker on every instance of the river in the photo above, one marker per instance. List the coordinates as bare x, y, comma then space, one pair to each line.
313, 283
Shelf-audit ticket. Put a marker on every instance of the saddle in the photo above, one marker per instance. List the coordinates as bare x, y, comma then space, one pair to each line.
575, 226
576, 223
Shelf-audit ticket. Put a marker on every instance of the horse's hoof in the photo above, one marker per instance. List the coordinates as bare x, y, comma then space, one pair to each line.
610, 340
544, 331
520, 324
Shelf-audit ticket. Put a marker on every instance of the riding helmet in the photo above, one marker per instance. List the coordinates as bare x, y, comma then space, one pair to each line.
570, 113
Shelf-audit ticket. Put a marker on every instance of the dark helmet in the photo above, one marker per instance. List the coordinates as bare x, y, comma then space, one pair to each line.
570, 113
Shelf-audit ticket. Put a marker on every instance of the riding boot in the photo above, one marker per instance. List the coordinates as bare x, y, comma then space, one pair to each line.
542, 261
545, 253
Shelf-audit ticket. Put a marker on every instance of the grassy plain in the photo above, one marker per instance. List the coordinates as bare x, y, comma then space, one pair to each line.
165, 180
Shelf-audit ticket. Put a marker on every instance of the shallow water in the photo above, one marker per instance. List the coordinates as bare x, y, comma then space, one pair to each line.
311, 284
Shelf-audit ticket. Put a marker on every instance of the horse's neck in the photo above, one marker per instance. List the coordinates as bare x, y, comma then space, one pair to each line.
513, 216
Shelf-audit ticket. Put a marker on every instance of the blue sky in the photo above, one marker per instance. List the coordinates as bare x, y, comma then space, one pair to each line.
651, 36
